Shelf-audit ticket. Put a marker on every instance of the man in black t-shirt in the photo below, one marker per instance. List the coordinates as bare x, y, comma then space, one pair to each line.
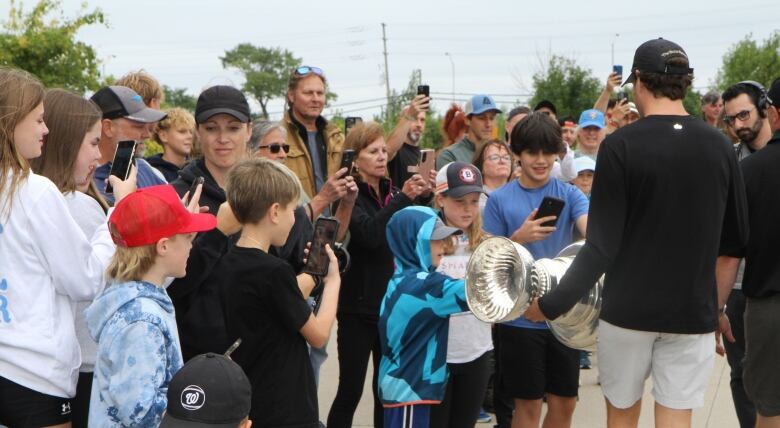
403, 143
667, 199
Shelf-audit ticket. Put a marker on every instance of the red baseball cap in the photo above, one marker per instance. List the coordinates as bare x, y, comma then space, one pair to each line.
150, 214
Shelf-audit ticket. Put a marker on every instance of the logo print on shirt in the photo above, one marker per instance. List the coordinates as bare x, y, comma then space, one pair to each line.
65, 408
193, 397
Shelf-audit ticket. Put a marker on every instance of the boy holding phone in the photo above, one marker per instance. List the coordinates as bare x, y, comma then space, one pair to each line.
534, 363
263, 304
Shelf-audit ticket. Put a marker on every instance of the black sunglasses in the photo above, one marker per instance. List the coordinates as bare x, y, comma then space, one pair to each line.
305, 69
274, 148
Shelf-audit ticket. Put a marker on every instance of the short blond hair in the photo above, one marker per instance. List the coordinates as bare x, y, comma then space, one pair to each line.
253, 185
131, 263
144, 85
176, 118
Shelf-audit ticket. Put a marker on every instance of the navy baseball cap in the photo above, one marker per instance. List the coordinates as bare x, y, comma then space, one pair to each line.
457, 179
773, 94
479, 104
654, 55
121, 102
546, 103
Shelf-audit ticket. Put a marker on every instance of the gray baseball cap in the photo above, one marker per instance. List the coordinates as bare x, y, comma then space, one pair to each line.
118, 101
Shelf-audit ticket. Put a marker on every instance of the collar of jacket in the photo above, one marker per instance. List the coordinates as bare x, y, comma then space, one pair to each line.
385, 189
320, 123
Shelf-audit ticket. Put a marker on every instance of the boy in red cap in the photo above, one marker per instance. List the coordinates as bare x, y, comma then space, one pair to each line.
133, 319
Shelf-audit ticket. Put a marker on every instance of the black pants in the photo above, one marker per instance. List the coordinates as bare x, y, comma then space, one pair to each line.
465, 392
503, 403
358, 338
735, 354
80, 413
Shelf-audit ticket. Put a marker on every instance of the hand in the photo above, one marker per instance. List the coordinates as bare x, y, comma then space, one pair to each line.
534, 312
620, 111
333, 267
724, 328
414, 186
335, 188
123, 188
226, 220
352, 190
613, 81
420, 104
532, 230
431, 183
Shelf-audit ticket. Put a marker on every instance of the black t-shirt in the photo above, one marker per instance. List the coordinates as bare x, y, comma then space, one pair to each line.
762, 175
265, 308
667, 199
408, 155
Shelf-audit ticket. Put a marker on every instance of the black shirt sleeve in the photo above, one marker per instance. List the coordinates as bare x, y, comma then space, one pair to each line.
286, 298
369, 230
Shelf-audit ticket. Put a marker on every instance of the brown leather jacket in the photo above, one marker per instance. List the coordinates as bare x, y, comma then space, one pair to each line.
299, 159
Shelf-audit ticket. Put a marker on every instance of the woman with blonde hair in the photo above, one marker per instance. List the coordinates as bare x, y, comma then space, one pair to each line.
46, 264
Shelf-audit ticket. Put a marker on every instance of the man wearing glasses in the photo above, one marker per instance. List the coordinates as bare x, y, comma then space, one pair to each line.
315, 144
744, 107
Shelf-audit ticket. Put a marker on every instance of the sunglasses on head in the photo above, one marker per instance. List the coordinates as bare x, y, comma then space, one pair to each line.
274, 148
305, 69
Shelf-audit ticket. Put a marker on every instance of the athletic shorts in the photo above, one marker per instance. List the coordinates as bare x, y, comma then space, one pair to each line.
412, 416
681, 365
761, 374
534, 363
21, 407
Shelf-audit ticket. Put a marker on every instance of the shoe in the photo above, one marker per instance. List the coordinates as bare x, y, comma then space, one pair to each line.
484, 417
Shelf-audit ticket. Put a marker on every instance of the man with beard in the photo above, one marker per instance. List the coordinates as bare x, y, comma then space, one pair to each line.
403, 143
481, 113
745, 113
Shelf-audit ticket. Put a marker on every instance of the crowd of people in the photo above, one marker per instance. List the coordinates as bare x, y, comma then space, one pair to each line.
181, 294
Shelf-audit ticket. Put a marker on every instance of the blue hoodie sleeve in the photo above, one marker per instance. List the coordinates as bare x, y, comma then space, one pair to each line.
136, 396
450, 299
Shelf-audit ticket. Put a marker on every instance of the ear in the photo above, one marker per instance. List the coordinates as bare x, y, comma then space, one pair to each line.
273, 212
290, 96
163, 136
438, 199
107, 128
163, 245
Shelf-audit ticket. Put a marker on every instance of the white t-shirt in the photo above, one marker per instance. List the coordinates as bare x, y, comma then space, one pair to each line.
469, 337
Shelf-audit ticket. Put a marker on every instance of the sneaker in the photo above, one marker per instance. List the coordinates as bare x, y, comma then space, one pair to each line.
484, 417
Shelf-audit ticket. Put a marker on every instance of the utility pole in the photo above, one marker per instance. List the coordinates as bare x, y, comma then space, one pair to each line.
387, 73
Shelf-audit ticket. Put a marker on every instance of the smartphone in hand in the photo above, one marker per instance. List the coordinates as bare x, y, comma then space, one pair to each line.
618, 69
424, 90
427, 163
550, 207
123, 160
347, 157
324, 233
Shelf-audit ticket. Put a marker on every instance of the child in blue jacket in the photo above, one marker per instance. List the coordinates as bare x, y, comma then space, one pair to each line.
414, 318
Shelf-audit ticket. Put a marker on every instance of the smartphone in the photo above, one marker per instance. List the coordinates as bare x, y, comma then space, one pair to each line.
550, 206
123, 159
622, 95
618, 69
194, 186
347, 157
427, 163
351, 121
324, 233
424, 90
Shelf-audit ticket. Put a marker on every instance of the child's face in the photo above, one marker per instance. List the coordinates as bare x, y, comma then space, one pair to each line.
584, 182
178, 139
459, 212
437, 251
178, 251
29, 133
537, 166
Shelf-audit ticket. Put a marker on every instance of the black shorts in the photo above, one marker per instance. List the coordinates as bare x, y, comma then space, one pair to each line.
21, 407
533, 363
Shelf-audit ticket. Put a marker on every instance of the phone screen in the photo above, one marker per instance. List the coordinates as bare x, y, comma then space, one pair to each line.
550, 207
424, 90
123, 158
618, 69
351, 121
347, 157
324, 233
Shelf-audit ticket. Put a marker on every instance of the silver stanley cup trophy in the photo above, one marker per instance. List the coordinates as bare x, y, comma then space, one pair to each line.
502, 278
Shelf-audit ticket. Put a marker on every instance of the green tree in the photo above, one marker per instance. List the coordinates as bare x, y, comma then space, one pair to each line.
749, 60
570, 87
692, 102
265, 70
47, 46
178, 97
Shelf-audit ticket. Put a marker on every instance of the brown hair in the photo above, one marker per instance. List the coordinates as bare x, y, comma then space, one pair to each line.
254, 184
176, 118
453, 124
131, 263
144, 85
361, 136
20, 94
479, 156
672, 86
68, 117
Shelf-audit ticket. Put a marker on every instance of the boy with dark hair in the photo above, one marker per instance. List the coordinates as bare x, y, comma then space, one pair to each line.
263, 303
534, 364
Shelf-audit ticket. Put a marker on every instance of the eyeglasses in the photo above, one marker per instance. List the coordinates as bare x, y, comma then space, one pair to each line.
274, 148
743, 116
305, 69
496, 158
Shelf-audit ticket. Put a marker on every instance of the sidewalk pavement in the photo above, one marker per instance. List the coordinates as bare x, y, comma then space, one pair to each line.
718, 410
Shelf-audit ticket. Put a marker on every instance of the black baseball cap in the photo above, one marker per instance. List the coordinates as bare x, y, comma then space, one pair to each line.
773, 94
222, 99
546, 103
209, 391
457, 179
121, 102
654, 55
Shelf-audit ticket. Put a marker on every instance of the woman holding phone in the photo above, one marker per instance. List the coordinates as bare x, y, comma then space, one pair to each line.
46, 264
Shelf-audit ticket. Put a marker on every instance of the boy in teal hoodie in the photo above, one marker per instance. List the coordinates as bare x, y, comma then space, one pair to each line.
414, 318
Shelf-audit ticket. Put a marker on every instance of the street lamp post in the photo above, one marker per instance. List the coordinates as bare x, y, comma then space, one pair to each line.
452, 63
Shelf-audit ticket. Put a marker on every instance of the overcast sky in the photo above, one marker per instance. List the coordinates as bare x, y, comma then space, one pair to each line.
495, 46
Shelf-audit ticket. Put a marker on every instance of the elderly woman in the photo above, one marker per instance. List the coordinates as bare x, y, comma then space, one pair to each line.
269, 140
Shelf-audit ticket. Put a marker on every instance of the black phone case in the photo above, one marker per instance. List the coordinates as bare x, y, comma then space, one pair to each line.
317, 263
550, 206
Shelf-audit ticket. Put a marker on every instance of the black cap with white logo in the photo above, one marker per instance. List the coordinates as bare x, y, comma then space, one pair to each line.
654, 55
209, 391
118, 101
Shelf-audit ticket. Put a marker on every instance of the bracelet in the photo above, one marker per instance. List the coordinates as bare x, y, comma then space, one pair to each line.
722, 311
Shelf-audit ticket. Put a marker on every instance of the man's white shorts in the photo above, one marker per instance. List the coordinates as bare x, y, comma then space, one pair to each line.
681, 365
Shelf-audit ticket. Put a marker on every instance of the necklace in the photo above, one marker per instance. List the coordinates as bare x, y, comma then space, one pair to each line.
254, 241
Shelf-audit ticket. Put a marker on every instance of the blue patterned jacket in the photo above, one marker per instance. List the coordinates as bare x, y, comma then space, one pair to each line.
138, 354
414, 316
